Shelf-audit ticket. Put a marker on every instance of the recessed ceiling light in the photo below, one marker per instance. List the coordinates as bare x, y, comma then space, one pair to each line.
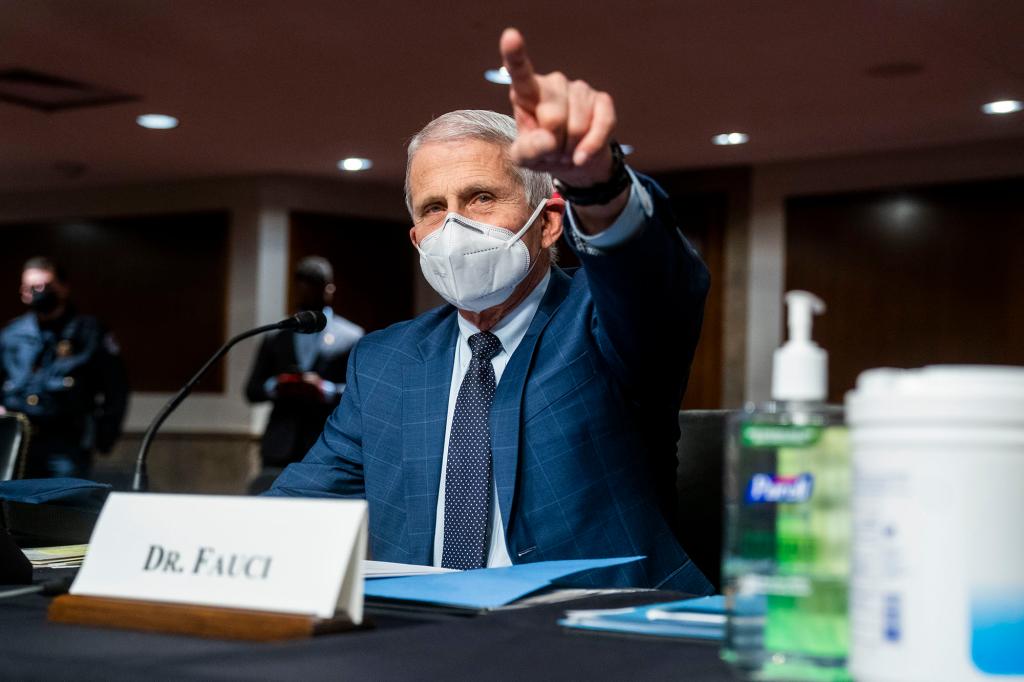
730, 138
157, 121
499, 76
353, 164
1003, 106
627, 149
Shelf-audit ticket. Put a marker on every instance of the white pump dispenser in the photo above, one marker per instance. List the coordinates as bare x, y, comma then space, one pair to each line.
800, 366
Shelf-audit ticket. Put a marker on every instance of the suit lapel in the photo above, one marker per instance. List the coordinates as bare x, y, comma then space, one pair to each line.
508, 399
425, 387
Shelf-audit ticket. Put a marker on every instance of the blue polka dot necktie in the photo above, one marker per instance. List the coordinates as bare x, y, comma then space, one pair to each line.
467, 482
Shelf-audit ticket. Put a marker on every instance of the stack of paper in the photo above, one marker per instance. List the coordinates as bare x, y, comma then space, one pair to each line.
700, 618
389, 569
482, 589
65, 556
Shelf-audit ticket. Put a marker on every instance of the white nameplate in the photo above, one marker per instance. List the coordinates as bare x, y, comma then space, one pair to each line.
288, 555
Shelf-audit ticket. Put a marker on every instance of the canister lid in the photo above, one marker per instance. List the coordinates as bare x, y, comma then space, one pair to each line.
950, 394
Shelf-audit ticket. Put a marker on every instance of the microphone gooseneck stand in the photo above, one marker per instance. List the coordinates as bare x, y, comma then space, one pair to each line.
306, 322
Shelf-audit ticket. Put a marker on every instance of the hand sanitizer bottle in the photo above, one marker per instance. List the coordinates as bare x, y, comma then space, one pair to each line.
787, 535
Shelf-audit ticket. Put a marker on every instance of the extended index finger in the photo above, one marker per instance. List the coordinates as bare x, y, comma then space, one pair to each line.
517, 62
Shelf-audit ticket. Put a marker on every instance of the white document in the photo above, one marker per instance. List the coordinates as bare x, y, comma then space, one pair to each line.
288, 555
390, 569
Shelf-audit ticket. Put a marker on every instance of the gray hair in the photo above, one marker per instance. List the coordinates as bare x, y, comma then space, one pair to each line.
478, 124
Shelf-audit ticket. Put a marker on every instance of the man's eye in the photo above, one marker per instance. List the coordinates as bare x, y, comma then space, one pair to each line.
484, 198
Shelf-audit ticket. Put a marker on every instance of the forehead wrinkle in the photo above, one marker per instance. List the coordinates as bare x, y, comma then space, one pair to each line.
457, 167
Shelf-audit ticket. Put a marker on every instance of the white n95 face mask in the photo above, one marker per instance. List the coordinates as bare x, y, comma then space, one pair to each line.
473, 265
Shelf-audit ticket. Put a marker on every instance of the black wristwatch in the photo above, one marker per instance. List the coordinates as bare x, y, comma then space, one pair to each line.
601, 193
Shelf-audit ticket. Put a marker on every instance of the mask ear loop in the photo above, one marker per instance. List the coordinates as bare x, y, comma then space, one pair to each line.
529, 223
518, 235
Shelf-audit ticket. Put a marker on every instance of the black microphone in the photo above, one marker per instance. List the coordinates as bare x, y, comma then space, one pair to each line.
305, 322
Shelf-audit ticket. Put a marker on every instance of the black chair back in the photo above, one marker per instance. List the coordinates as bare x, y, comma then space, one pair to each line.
14, 435
700, 489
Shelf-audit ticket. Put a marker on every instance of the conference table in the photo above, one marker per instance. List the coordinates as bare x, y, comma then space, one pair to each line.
517, 644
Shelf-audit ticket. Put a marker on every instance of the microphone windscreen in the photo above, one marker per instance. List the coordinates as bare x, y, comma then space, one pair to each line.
309, 321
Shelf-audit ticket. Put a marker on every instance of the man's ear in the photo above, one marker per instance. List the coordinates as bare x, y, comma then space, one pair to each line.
412, 235
553, 216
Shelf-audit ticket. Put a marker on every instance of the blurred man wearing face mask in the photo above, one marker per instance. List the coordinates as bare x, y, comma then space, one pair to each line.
63, 371
303, 375
535, 417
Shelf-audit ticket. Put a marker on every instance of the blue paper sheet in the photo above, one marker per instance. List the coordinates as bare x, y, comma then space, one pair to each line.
484, 588
698, 618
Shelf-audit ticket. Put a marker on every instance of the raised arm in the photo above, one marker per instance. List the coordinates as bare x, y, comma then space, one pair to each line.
647, 281
565, 128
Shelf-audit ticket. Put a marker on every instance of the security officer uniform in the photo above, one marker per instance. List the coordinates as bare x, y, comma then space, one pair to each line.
66, 375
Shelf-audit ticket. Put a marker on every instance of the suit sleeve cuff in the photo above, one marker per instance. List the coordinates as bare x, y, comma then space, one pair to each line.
638, 209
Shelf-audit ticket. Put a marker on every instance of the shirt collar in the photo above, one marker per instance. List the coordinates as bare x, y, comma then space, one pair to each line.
512, 328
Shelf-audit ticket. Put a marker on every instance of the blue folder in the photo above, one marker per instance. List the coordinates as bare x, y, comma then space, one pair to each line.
485, 588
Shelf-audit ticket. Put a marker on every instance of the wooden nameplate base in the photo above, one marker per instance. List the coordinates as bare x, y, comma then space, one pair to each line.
190, 619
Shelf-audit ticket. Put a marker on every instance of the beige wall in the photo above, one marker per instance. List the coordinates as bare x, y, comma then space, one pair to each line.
210, 463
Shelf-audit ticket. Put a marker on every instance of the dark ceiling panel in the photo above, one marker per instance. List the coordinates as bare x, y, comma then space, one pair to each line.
267, 87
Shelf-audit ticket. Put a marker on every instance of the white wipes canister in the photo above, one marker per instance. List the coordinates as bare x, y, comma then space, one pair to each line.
937, 580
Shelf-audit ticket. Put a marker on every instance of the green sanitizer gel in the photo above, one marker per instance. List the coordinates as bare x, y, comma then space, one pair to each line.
787, 535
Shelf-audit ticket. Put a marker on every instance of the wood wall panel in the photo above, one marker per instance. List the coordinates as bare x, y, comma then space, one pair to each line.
703, 217
373, 263
912, 276
159, 282
711, 208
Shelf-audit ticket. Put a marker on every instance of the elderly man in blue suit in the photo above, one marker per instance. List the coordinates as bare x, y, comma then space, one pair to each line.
535, 416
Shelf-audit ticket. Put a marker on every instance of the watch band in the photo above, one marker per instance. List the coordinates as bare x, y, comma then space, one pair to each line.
603, 192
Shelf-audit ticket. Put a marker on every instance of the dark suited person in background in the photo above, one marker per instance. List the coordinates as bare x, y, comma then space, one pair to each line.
64, 371
303, 375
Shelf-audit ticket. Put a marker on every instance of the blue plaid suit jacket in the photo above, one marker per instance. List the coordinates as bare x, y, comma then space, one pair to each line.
583, 425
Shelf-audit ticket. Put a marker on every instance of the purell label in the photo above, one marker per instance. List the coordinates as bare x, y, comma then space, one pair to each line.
768, 488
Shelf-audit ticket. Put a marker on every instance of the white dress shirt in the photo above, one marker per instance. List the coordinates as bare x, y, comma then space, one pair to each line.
510, 331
